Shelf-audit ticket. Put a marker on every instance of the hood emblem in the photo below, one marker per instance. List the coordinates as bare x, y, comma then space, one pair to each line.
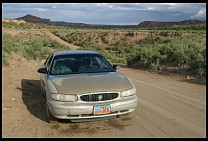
100, 97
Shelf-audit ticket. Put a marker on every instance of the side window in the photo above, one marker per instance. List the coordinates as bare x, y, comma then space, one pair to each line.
101, 63
94, 61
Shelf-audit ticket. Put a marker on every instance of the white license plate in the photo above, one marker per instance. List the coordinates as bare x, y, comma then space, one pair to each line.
101, 110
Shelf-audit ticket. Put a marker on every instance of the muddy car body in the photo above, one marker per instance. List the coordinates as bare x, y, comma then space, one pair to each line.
82, 85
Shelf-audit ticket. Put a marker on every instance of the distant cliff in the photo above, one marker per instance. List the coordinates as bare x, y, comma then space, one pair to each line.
145, 24
34, 19
170, 24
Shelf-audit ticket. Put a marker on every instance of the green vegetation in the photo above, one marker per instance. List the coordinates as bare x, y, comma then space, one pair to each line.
29, 46
182, 52
191, 27
181, 49
5, 58
149, 48
23, 26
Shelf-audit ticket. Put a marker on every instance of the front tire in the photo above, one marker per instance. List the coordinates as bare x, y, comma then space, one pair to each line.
50, 117
43, 92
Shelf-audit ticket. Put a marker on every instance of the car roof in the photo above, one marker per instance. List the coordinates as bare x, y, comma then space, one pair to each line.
65, 52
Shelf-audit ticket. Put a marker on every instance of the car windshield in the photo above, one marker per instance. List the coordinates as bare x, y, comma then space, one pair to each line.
79, 63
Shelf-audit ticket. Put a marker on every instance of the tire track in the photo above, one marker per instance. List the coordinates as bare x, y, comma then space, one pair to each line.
200, 131
54, 37
199, 103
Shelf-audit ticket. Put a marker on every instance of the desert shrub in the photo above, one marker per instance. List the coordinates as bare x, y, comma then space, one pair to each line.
198, 65
45, 52
104, 40
8, 24
166, 41
150, 40
31, 52
97, 47
30, 47
5, 58
184, 52
111, 57
149, 55
166, 53
131, 34
55, 44
80, 43
120, 60
45, 43
180, 56
69, 39
37, 43
61, 48
133, 58
9, 43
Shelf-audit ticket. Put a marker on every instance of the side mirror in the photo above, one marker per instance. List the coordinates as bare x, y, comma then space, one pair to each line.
115, 67
42, 70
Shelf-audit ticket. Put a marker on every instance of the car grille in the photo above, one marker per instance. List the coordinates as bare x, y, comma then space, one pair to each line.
99, 97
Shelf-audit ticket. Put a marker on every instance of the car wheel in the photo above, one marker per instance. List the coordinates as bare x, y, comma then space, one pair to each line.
43, 92
50, 117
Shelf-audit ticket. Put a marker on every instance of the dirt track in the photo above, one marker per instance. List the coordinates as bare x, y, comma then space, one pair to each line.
166, 108
54, 37
39, 32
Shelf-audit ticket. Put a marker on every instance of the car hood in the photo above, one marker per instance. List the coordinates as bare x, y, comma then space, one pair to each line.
90, 83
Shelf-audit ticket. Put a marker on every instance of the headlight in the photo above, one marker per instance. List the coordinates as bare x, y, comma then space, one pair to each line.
128, 92
63, 97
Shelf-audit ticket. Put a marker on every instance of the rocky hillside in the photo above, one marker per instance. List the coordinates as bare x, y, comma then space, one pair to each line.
171, 24
34, 19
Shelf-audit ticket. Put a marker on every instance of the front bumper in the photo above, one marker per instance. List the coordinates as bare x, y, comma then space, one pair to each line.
84, 110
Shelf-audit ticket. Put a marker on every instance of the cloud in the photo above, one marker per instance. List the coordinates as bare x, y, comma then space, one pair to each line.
40, 9
200, 14
107, 13
54, 7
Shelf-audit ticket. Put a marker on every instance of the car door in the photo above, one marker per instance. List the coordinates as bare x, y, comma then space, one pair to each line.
44, 76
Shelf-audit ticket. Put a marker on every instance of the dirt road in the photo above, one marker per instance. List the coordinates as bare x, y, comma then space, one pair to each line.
41, 31
54, 37
166, 108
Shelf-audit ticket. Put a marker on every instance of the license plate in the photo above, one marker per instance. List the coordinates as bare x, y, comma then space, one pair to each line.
101, 110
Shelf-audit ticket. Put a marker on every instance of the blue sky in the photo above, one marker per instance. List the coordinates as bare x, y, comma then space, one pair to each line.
107, 13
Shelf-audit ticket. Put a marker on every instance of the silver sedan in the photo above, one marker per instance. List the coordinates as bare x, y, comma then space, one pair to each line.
82, 85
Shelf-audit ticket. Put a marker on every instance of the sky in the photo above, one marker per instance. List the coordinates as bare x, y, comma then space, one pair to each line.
107, 13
